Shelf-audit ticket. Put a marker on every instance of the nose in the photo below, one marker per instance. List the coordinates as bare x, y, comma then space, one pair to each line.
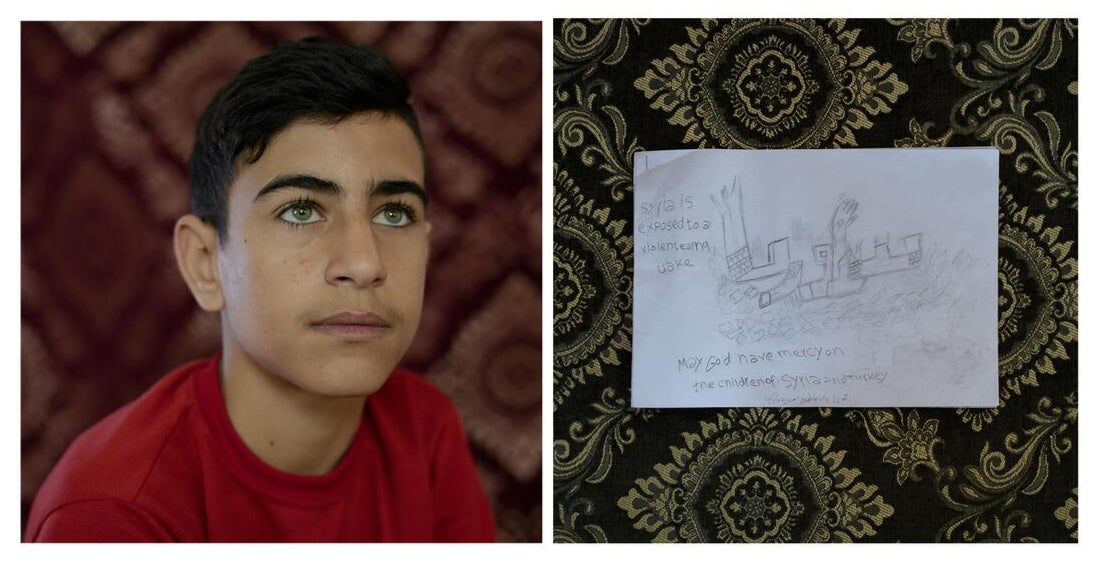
355, 258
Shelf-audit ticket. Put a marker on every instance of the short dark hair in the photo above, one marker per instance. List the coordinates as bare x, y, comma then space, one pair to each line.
314, 78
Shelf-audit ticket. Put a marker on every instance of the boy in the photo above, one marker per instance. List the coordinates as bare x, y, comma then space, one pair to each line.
308, 236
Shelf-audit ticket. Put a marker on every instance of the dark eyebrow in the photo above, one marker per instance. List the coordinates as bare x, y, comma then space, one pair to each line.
394, 187
308, 182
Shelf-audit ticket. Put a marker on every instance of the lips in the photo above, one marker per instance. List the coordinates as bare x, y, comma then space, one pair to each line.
353, 325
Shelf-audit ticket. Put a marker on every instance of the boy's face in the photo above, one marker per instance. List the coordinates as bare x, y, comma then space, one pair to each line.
323, 266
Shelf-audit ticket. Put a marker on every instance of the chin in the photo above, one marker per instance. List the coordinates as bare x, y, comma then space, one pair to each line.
344, 381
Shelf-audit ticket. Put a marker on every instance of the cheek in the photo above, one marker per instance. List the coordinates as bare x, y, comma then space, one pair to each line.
408, 263
263, 285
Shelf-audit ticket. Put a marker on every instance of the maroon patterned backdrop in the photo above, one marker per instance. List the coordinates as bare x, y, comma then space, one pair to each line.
108, 112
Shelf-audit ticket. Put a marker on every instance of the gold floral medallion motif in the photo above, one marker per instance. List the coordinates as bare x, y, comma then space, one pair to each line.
772, 91
1038, 295
1013, 300
573, 290
592, 289
757, 475
771, 83
757, 501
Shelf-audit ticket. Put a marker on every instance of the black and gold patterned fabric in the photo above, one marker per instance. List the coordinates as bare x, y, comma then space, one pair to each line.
773, 475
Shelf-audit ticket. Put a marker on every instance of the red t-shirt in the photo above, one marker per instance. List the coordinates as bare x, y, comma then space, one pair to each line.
170, 467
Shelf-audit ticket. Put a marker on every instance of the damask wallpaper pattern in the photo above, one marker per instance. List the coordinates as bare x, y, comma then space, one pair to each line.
108, 114
764, 475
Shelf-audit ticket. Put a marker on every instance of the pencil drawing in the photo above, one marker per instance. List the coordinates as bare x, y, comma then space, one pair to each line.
750, 287
842, 269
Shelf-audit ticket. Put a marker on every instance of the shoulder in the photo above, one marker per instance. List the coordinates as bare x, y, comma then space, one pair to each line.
126, 442
100, 520
111, 460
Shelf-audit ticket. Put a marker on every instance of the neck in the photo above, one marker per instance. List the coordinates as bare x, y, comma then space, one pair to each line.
288, 428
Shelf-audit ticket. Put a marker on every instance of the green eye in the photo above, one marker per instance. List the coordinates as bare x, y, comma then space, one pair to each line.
300, 213
393, 216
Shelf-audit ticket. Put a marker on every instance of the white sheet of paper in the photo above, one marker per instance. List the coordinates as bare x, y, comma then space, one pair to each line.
820, 277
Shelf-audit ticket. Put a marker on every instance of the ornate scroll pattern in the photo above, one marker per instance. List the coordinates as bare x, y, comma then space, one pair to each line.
987, 495
996, 108
569, 527
584, 45
1006, 60
610, 150
758, 475
778, 83
1053, 167
909, 444
598, 438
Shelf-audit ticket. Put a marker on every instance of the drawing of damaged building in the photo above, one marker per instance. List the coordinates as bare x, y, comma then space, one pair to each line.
840, 269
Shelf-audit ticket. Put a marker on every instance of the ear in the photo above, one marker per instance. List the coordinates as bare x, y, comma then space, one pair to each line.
196, 246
